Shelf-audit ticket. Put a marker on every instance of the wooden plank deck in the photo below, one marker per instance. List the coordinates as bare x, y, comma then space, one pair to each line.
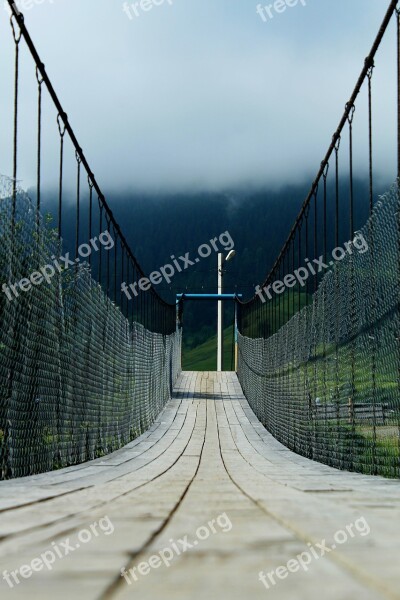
208, 470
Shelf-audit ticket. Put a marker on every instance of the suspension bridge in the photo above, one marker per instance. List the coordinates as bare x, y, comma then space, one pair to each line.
123, 475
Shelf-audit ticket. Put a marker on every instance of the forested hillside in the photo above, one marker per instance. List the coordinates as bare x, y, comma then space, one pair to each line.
158, 227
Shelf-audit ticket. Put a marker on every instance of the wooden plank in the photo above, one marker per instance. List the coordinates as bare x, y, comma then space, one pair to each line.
206, 456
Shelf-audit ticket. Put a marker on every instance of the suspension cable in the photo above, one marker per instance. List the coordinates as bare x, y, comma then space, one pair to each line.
369, 61
63, 117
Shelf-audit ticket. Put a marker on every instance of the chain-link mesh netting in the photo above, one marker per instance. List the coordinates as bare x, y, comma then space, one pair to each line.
77, 380
327, 383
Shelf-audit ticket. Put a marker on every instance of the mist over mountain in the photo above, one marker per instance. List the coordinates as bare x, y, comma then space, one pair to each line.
158, 227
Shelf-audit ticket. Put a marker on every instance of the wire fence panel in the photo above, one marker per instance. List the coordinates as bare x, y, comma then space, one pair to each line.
83, 370
77, 378
327, 383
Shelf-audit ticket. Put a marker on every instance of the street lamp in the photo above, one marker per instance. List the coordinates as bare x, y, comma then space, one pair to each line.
220, 326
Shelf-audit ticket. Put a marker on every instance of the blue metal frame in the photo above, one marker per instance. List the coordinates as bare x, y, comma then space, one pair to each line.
223, 297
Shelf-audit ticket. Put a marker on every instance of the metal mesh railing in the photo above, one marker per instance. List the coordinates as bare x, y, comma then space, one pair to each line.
77, 379
319, 344
84, 366
327, 383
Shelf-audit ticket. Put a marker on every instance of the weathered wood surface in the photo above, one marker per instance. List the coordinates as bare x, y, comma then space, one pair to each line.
206, 455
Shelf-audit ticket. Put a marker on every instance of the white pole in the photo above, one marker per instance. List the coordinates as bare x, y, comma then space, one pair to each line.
220, 326
236, 336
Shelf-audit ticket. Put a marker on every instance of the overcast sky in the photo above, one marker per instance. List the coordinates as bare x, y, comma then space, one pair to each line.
205, 94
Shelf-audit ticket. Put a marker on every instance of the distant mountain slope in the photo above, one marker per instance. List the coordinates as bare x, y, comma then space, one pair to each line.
158, 227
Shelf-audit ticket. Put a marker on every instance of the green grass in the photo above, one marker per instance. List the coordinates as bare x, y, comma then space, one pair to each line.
204, 356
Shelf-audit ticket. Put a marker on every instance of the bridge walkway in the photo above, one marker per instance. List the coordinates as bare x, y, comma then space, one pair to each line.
206, 469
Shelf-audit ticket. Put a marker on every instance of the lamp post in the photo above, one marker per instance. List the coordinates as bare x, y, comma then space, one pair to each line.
220, 326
